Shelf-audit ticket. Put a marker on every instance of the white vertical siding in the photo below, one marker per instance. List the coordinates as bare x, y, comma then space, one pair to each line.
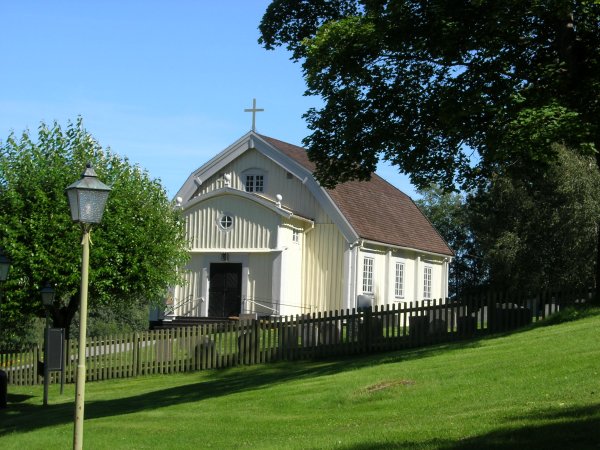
291, 273
260, 268
187, 297
254, 226
323, 269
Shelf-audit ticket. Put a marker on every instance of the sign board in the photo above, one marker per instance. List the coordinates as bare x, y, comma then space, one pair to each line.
54, 348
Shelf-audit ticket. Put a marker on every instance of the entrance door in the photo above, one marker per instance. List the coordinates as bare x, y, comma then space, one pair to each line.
225, 290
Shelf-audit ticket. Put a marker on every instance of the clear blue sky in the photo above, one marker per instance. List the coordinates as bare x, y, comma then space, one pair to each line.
164, 83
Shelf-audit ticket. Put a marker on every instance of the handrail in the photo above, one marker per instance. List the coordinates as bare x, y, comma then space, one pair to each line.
246, 299
189, 299
266, 302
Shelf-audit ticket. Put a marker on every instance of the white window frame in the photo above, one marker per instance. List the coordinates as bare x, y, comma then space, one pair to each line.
427, 282
368, 275
399, 277
223, 218
254, 185
296, 236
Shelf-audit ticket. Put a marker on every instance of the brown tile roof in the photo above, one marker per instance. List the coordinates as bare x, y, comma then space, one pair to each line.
377, 210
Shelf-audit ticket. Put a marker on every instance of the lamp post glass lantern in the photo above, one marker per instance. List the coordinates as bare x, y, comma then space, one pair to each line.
87, 198
47, 293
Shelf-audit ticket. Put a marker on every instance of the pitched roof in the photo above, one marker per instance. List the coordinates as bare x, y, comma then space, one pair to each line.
375, 209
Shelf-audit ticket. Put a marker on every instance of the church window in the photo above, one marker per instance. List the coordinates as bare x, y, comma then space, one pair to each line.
399, 282
226, 221
427, 282
367, 275
255, 183
295, 236
254, 179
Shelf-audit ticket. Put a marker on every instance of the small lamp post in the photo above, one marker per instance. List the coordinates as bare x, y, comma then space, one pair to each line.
4, 267
87, 198
47, 293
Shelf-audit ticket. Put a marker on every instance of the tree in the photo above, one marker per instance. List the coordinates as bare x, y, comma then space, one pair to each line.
452, 92
135, 251
449, 214
539, 232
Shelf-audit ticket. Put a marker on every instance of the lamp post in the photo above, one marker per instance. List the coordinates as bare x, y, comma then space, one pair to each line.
47, 293
87, 198
4, 266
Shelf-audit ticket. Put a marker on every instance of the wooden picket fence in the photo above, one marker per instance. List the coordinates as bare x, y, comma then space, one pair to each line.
320, 335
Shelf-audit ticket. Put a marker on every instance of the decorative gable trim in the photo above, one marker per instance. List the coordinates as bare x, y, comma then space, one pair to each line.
235, 192
213, 166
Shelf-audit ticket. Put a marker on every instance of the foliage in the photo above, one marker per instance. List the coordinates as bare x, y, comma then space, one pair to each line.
569, 314
448, 212
450, 92
107, 320
135, 251
539, 232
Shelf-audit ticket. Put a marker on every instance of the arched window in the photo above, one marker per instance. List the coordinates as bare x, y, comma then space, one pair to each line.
254, 180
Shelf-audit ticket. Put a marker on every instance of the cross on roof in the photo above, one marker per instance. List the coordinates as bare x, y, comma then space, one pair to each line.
253, 110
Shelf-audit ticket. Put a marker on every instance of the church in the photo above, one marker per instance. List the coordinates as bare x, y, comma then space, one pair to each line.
265, 239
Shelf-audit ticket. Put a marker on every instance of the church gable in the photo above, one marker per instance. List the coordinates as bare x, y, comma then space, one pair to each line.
252, 171
224, 221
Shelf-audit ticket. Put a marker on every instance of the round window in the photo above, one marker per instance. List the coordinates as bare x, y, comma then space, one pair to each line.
226, 221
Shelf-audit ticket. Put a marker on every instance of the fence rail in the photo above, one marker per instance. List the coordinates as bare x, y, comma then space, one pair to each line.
335, 333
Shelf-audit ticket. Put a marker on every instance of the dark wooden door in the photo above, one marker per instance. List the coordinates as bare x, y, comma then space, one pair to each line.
225, 290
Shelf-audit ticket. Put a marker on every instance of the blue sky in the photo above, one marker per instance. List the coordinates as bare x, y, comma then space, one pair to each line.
164, 83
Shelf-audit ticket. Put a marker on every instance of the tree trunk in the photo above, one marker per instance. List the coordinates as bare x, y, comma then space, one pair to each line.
63, 316
597, 271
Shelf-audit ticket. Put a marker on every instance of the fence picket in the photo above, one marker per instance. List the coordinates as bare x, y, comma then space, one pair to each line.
312, 335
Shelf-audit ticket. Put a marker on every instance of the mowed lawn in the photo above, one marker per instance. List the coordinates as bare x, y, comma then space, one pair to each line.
534, 389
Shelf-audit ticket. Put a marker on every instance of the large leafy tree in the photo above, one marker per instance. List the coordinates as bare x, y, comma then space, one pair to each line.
539, 231
424, 84
449, 214
135, 251
452, 92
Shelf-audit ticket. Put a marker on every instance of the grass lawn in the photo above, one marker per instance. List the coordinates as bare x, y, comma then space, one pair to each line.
534, 389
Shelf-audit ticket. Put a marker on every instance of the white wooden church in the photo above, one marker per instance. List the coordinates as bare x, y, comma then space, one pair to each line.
265, 238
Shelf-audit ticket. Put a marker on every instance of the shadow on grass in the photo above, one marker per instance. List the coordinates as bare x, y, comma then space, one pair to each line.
564, 428
18, 398
22, 417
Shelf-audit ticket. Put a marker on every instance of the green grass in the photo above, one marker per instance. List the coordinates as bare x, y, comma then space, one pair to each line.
534, 389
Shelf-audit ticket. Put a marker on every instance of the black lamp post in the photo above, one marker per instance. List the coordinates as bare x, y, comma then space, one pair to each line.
87, 198
47, 293
4, 267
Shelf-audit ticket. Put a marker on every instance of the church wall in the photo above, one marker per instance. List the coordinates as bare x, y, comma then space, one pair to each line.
259, 291
187, 297
254, 226
323, 269
292, 239
384, 274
